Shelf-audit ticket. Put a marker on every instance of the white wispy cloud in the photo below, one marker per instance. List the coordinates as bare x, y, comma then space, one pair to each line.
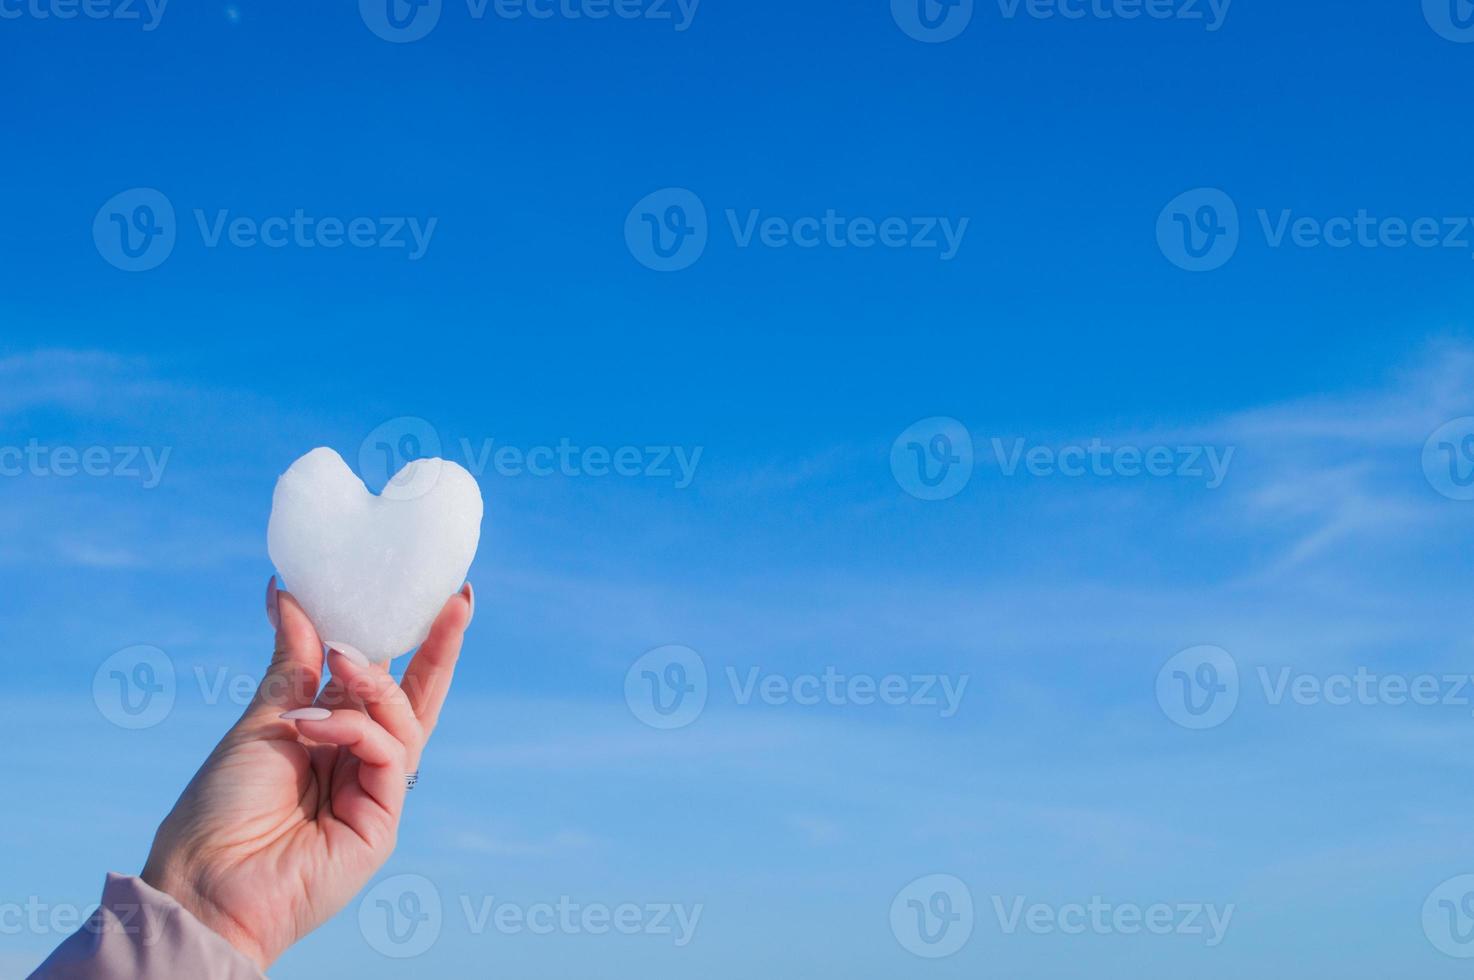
74, 380
560, 843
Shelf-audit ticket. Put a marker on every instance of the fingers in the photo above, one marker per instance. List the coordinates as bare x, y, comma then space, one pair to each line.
382, 757
427, 679
370, 686
292, 679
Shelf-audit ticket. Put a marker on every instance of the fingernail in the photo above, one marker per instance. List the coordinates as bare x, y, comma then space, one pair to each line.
272, 616
349, 653
470, 595
306, 714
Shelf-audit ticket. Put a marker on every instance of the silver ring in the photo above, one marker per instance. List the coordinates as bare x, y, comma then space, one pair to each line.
410, 778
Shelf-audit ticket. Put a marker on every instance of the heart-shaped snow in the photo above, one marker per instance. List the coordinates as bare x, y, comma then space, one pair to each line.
373, 572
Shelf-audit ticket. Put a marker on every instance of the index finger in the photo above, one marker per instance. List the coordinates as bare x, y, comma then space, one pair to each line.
292, 679
427, 678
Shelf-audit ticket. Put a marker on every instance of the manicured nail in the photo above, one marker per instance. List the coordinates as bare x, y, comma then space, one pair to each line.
349, 653
306, 714
470, 595
272, 616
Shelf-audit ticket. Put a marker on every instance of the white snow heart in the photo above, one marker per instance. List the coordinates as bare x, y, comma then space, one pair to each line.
371, 571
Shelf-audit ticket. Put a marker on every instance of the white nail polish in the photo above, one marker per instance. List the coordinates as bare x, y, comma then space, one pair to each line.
306, 714
272, 616
350, 653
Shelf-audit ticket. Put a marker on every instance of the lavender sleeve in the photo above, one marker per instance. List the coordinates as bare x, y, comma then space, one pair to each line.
140, 932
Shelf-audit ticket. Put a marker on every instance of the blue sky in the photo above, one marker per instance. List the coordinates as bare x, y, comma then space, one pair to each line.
522, 148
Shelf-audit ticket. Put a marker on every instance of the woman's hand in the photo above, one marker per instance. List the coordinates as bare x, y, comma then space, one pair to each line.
299, 804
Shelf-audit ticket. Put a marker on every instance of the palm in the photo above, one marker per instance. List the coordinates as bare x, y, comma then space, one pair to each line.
279, 830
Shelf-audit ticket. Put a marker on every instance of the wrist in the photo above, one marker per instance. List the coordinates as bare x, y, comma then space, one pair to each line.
182, 888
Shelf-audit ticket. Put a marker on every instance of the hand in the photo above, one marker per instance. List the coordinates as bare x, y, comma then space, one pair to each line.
296, 809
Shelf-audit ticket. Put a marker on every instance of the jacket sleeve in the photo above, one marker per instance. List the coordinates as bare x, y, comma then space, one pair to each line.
140, 932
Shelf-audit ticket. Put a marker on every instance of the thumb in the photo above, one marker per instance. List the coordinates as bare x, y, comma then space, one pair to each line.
292, 679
